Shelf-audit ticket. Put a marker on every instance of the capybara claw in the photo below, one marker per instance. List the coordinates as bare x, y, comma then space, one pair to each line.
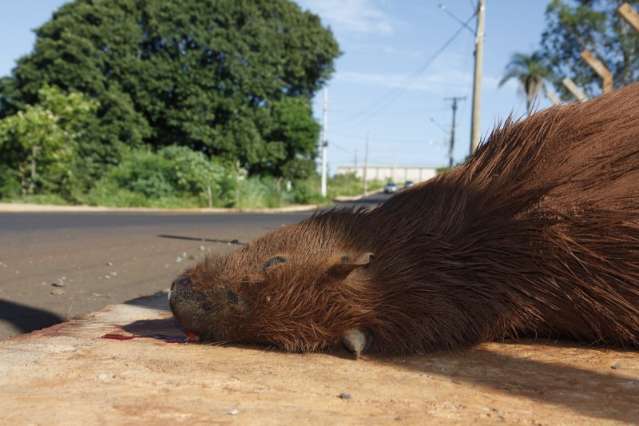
355, 340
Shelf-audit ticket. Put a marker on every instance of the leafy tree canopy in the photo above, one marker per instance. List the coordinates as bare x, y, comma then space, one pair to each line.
230, 78
575, 25
41, 143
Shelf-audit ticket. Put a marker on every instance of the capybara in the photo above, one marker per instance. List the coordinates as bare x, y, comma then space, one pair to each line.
536, 235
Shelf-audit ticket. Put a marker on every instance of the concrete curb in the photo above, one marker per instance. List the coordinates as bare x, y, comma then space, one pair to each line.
45, 208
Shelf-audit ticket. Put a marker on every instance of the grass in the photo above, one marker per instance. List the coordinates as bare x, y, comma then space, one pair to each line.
252, 192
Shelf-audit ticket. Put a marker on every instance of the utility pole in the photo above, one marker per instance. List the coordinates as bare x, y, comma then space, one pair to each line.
451, 145
366, 167
324, 143
479, 59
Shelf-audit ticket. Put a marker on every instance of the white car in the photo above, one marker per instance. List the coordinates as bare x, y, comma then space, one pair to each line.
390, 188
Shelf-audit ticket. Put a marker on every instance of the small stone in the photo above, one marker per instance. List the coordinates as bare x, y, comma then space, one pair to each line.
57, 284
202, 248
233, 412
105, 377
114, 274
178, 259
109, 264
344, 395
107, 277
57, 292
616, 365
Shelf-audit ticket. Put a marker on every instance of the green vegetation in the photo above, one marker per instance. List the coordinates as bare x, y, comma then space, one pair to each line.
572, 26
350, 185
530, 72
167, 103
41, 146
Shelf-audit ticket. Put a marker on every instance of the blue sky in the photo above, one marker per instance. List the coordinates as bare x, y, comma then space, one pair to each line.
376, 89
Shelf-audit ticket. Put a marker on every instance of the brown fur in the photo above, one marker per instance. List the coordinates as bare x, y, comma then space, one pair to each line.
536, 235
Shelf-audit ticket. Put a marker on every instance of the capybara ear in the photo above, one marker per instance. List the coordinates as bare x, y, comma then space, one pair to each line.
273, 262
346, 264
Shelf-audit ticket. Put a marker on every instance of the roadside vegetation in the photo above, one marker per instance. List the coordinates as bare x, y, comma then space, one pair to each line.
168, 103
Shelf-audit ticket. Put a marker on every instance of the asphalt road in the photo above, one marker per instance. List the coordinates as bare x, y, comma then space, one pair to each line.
56, 266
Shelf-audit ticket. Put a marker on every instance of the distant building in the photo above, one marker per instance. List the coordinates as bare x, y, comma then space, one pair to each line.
396, 174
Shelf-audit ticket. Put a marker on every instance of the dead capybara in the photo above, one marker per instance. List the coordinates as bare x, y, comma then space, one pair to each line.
536, 235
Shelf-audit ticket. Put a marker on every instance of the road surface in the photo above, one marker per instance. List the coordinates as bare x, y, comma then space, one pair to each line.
56, 266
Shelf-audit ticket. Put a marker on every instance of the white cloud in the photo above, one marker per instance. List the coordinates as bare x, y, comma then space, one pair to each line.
361, 16
385, 49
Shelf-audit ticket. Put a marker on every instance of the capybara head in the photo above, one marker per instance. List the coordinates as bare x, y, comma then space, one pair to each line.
294, 288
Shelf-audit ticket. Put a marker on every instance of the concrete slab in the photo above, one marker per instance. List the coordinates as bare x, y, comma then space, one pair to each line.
127, 365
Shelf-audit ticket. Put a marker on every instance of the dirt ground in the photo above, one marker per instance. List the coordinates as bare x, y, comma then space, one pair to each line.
127, 365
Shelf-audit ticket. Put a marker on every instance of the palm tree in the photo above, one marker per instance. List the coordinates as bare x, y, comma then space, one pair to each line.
531, 73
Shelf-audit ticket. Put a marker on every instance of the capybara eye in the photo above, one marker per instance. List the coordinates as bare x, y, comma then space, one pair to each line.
277, 260
232, 297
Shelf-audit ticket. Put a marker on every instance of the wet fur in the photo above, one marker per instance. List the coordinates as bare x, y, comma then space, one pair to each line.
536, 235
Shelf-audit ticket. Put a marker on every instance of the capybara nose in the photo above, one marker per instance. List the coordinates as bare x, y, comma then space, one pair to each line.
180, 283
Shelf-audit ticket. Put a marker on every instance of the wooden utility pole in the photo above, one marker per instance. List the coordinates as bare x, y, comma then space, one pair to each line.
475, 124
576, 91
451, 145
630, 15
598, 67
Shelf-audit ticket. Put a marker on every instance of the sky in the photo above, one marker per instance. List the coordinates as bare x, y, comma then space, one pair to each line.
386, 87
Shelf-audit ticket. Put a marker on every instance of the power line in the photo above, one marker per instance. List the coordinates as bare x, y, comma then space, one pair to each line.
452, 15
395, 93
399, 140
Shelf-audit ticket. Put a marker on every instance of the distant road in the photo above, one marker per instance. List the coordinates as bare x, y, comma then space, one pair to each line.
55, 266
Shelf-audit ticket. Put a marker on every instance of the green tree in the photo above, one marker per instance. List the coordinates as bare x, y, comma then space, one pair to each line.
575, 25
211, 75
42, 143
530, 72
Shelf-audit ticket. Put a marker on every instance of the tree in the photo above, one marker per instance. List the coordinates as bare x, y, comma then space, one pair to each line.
41, 143
206, 74
530, 72
575, 25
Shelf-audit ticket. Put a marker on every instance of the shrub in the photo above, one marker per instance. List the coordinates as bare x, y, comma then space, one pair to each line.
174, 173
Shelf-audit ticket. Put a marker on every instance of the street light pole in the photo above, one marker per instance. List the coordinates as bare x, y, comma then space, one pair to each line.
324, 144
